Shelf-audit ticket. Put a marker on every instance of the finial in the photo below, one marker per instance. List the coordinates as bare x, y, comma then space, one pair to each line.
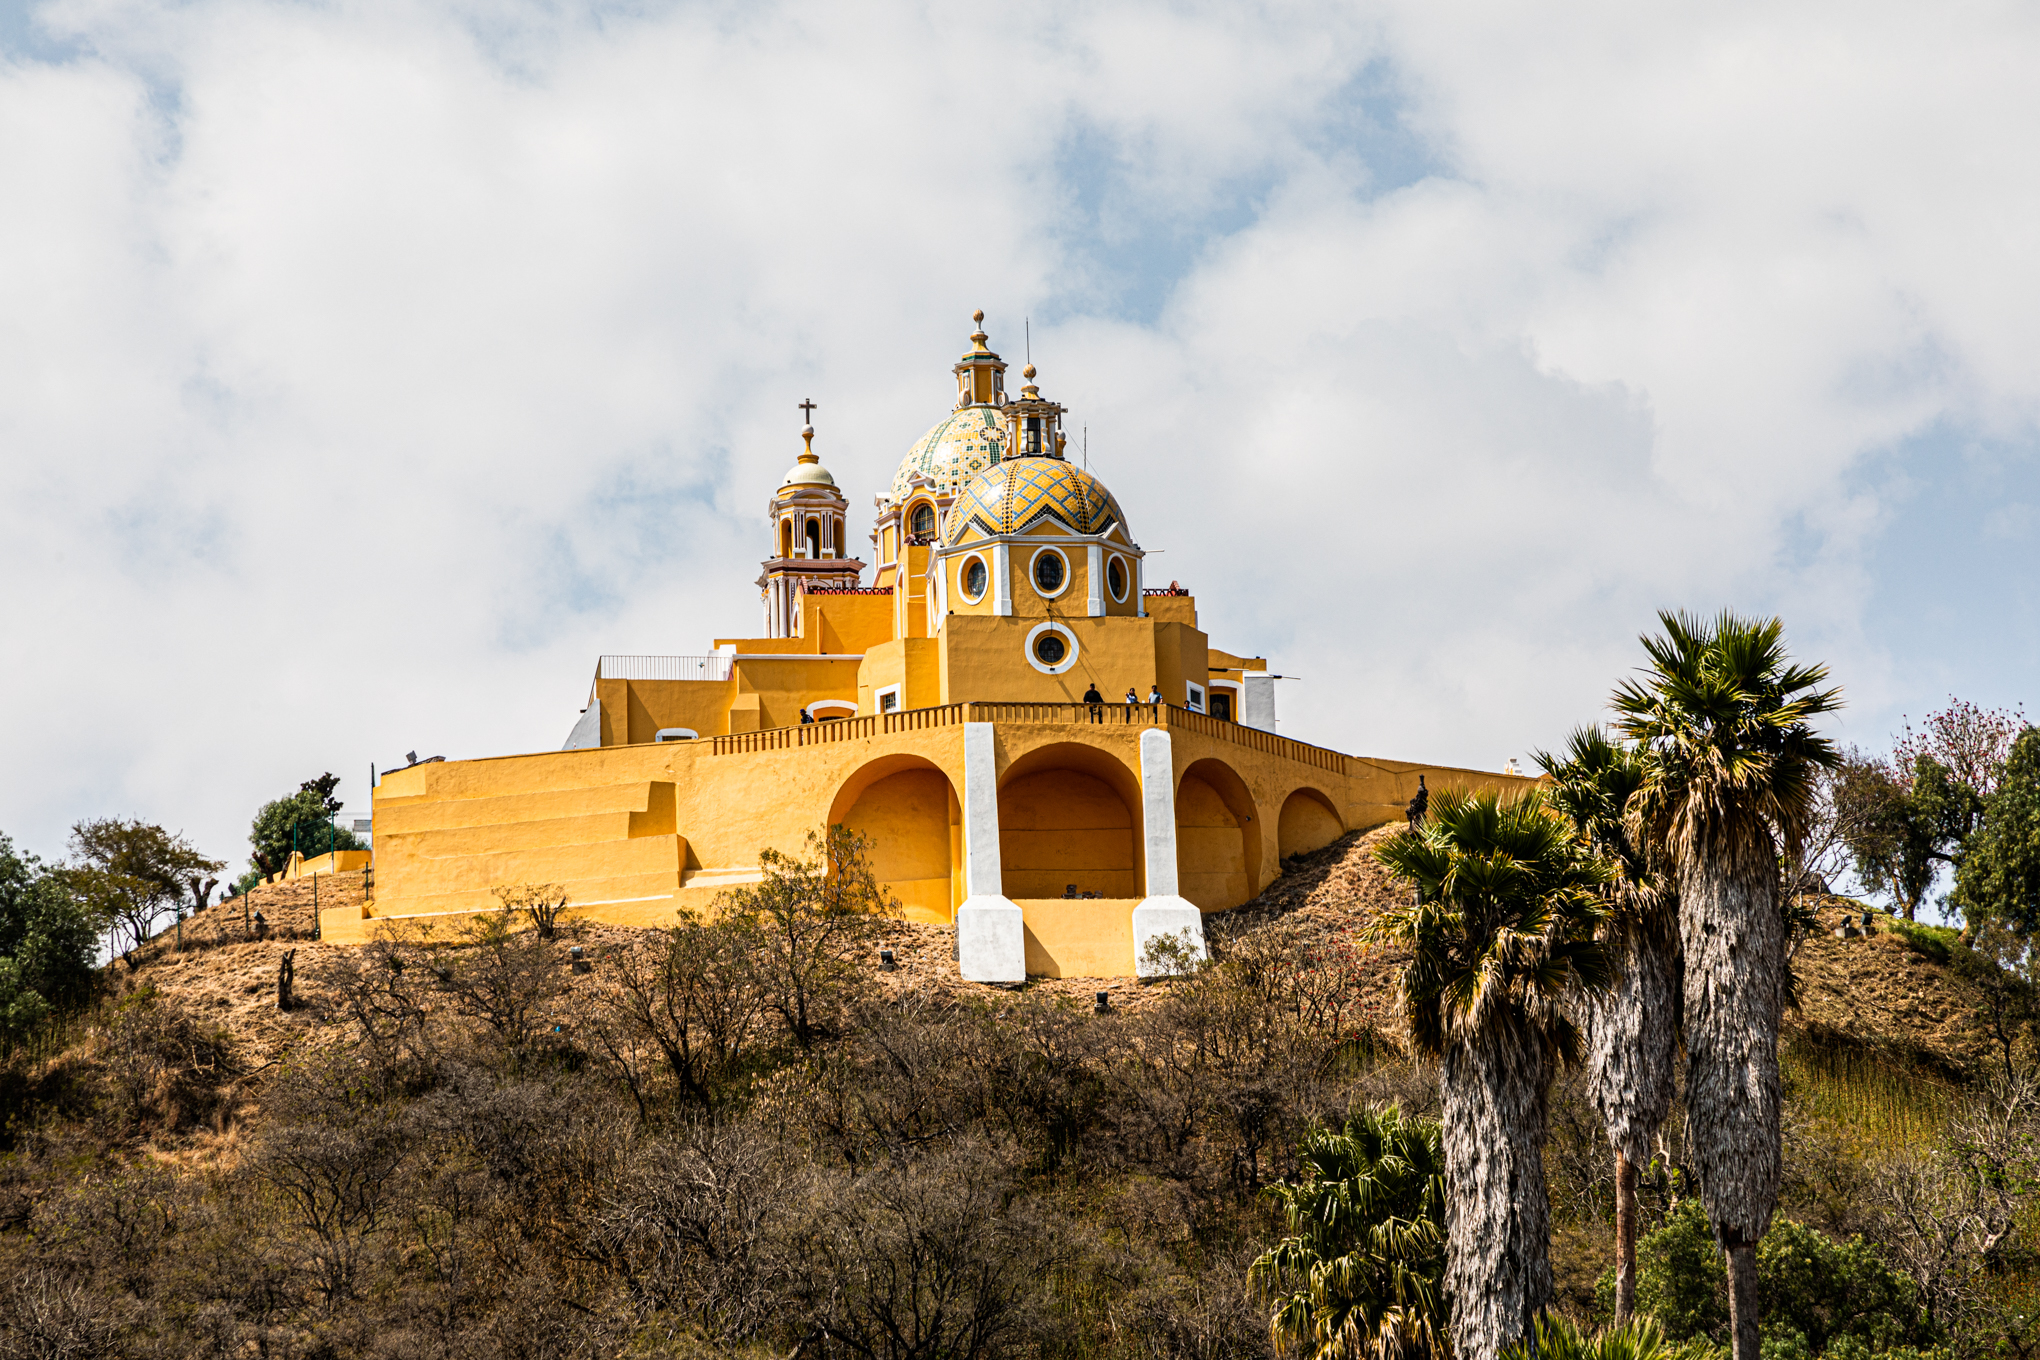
978, 337
1028, 372
978, 316
807, 437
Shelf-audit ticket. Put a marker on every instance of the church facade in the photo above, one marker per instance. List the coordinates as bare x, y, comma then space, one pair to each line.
1040, 746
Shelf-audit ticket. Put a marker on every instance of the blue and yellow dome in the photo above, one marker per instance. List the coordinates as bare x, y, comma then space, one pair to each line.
1020, 494
965, 443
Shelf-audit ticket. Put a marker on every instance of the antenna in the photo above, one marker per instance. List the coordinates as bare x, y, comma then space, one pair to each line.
1027, 324
1087, 448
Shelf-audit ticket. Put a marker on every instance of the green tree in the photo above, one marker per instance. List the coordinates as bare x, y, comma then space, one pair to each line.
132, 872
1362, 1270
1912, 821
1723, 718
302, 821
1632, 1029
48, 939
1501, 938
1999, 877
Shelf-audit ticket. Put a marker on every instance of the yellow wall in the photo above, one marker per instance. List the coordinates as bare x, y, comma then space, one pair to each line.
983, 657
637, 832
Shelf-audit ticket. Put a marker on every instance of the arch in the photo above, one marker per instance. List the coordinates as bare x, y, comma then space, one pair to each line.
1218, 848
921, 520
839, 708
1309, 821
1069, 815
786, 538
906, 809
814, 538
677, 734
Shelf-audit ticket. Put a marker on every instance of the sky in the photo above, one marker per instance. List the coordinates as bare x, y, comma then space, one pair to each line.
368, 369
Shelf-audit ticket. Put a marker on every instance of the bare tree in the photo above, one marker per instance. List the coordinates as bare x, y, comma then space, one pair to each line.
543, 903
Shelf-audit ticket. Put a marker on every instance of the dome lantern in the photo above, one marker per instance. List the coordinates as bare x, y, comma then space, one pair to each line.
980, 374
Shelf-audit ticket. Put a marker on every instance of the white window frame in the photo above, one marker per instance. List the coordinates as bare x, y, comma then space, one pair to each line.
962, 581
1193, 695
1069, 658
879, 696
1069, 574
676, 734
1125, 576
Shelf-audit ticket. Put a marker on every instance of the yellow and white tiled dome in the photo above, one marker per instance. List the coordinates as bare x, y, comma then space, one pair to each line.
1021, 495
963, 444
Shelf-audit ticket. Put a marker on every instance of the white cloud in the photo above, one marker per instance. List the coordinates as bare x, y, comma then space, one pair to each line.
367, 368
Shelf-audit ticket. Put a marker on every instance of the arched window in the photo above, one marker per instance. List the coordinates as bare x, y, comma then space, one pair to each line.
814, 538
786, 538
1033, 434
924, 520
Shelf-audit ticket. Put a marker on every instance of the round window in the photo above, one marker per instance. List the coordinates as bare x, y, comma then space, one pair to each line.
974, 578
1048, 572
1050, 649
1115, 577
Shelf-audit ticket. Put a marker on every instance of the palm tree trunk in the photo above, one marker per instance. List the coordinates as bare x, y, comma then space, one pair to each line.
1734, 940
1631, 1060
1498, 1210
1625, 1239
1742, 1300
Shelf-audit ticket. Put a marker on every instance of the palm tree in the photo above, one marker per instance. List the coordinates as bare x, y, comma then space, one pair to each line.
1500, 935
1359, 1276
1730, 766
1632, 1029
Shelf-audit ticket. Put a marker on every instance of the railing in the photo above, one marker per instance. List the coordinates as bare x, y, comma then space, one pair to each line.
1054, 715
715, 667
837, 729
1255, 739
1165, 590
846, 590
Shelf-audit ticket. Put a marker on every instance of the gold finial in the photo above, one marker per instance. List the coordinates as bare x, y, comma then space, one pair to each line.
807, 431
1028, 372
978, 336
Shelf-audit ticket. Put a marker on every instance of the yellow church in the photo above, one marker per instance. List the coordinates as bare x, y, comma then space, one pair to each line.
1042, 747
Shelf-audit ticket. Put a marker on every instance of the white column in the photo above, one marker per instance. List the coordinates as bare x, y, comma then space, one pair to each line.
1094, 565
1002, 580
991, 937
1164, 912
1140, 587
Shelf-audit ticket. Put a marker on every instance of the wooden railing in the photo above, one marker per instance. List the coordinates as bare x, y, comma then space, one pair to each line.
1037, 715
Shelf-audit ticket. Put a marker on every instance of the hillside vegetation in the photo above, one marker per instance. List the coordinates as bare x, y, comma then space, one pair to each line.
747, 1138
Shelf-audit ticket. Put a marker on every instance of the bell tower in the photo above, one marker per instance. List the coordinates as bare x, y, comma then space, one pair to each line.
807, 514
1033, 422
980, 374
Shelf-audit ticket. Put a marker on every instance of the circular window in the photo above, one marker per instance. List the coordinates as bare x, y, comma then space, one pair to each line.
922, 522
1051, 572
973, 578
1051, 648
1115, 577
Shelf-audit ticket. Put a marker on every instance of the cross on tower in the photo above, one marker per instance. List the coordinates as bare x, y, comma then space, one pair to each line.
807, 410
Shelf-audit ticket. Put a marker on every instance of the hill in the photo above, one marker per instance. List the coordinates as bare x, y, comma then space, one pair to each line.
690, 1145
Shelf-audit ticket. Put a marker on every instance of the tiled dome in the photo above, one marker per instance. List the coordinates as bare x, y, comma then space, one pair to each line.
1021, 493
965, 443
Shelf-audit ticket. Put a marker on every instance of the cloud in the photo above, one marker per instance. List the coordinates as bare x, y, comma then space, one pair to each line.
368, 368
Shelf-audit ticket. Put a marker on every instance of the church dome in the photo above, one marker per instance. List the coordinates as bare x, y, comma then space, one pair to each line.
809, 470
963, 444
1022, 493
